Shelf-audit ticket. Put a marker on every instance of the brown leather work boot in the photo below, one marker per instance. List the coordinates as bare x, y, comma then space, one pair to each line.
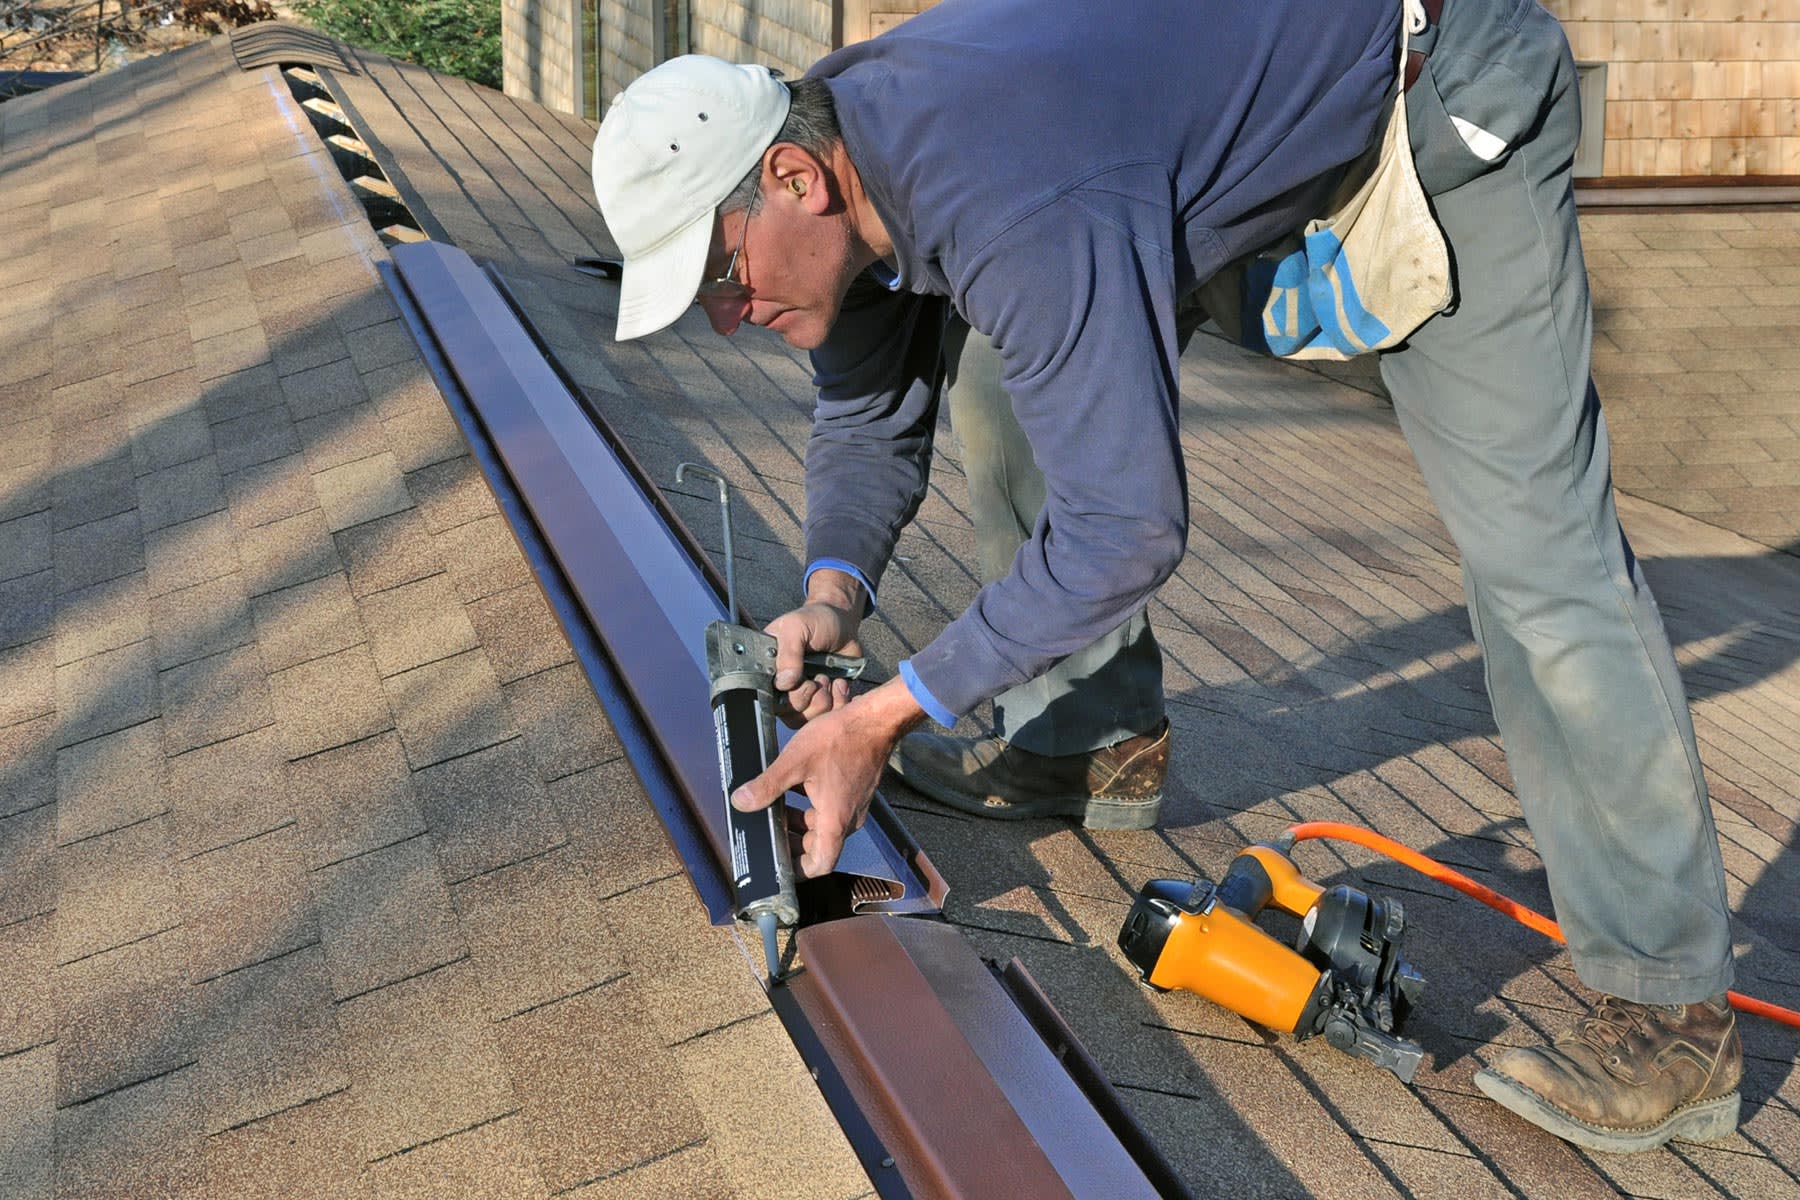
1115, 787
1629, 1076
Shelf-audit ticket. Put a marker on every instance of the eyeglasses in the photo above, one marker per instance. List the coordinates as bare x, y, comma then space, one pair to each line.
727, 287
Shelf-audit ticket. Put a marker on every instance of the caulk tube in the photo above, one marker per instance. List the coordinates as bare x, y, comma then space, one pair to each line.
762, 866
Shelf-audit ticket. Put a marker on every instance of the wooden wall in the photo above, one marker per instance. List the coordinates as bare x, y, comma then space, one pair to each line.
1694, 87
538, 55
787, 34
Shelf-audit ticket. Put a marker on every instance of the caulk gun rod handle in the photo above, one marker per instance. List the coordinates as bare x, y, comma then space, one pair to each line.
836, 664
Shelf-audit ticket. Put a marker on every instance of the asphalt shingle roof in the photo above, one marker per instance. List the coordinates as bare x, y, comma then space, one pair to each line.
320, 873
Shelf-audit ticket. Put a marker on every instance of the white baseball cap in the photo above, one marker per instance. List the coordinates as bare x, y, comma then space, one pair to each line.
671, 149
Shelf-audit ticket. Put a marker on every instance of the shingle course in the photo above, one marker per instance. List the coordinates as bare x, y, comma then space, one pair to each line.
109, 782
28, 882
424, 435
422, 1066
329, 701
113, 889
179, 493
486, 810
140, 1143
28, 1006
318, 1143
343, 436
536, 933
519, 631
492, 1159
214, 699
27, 765
288, 550
208, 618
584, 1126
385, 915
353, 799
270, 491
448, 708
227, 791
180, 556
271, 1040
415, 623
123, 1016
450, 493
362, 490
563, 728
107, 691
306, 621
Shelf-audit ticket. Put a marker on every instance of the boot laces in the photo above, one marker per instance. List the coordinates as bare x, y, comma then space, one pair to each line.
1613, 1021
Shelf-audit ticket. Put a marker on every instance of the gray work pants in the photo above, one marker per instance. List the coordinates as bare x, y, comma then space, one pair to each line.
1496, 400
1096, 696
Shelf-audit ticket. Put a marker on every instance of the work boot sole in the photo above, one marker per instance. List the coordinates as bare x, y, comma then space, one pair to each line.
1096, 812
1702, 1121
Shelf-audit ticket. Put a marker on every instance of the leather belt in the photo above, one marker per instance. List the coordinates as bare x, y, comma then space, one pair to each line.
1415, 59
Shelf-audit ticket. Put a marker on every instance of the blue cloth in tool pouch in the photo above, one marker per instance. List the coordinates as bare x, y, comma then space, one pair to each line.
1363, 276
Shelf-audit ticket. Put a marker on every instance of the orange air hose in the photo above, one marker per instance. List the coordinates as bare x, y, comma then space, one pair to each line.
1432, 869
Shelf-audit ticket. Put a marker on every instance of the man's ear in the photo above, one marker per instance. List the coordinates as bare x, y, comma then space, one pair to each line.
801, 177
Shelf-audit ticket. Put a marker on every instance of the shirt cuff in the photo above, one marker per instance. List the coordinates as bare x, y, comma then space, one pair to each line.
923, 697
838, 564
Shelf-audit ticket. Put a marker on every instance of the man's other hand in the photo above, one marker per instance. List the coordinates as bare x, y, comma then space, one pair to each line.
826, 623
836, 760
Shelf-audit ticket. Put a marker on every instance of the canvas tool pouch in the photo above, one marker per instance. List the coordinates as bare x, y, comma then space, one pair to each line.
1359, 278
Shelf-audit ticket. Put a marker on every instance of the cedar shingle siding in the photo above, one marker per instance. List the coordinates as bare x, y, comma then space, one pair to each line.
1695, 87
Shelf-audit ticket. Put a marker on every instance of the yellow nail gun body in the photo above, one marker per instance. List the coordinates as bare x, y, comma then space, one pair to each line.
1344, 978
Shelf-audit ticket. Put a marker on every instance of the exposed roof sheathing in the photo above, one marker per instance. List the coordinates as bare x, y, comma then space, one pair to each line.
424, 980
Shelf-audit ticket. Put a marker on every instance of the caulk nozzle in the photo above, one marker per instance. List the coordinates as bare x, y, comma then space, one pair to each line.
765, 921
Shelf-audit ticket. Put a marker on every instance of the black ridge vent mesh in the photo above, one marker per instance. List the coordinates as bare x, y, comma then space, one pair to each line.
272, 42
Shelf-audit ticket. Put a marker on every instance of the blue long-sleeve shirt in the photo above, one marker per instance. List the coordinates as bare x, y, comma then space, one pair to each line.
1062, 173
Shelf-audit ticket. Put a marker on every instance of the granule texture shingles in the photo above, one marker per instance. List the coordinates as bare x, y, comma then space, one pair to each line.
384, 916
123, 1016
109, 782
422, 1064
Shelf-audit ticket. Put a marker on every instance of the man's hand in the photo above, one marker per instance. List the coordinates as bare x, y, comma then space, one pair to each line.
836, 759
827, 623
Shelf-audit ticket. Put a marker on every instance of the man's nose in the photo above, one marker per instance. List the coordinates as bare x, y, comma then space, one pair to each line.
725, 313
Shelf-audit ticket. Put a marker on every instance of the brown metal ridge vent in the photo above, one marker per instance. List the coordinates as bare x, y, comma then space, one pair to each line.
270, 42
637, 588
872, 894
953, 1077
1676, 192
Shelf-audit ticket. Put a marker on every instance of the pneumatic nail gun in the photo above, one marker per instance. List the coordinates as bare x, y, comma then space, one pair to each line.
1345, 978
